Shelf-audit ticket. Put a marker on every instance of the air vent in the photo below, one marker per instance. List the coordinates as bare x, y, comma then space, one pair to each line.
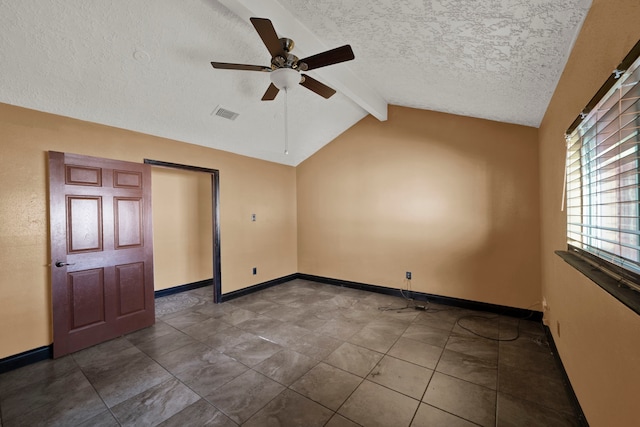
224, 113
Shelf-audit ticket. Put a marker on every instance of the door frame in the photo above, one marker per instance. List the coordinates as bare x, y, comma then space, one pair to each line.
215, 200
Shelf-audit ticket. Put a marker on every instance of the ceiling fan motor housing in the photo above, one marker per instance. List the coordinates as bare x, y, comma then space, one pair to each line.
287, 61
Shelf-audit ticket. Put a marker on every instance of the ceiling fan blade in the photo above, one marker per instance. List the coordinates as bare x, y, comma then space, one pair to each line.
271, 93
245, 67
320, 88
330, 57
267, 33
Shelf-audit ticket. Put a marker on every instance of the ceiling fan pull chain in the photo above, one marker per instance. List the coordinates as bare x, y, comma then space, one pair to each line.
286, 121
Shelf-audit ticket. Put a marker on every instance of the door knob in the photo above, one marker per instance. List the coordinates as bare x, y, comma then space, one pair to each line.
62, 264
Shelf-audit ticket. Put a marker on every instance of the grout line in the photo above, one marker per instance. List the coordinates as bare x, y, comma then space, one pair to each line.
97, 393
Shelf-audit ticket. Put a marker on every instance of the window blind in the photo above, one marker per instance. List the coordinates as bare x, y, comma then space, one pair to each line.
603, 173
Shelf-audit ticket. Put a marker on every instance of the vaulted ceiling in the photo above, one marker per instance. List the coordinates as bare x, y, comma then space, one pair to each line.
144, 65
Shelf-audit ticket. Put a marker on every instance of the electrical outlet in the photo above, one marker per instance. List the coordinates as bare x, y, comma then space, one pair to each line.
255, 270
408, 275
253, 217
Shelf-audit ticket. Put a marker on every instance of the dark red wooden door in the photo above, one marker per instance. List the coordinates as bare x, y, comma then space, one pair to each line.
101, 249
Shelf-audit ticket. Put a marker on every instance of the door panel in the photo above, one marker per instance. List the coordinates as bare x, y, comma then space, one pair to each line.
86, 294
128, 220
84, 223
101, 249
78, 175
130, 287
127, 179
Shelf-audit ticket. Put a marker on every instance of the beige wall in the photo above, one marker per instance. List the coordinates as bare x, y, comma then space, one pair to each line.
452, 199
182, 227
599, 340
246, 186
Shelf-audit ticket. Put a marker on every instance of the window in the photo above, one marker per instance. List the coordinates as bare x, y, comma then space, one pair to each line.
603, 167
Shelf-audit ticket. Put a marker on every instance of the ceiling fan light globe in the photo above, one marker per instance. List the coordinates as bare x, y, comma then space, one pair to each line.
284, 78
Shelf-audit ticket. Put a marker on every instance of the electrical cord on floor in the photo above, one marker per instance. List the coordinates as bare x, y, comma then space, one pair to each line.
410, 302
495, 317
472, 316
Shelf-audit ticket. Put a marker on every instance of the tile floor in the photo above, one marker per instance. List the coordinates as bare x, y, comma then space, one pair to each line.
299, 354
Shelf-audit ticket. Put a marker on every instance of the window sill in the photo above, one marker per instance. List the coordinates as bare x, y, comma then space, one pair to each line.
619, 291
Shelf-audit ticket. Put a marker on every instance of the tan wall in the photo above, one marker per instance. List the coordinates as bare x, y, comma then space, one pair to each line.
246, 186
452, 199
599, 340
182, 227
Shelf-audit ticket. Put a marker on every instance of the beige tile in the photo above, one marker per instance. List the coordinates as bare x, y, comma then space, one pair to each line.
44, 371
227, 338
104, 419
438, 316
157, 330
245, 395
155, 404
259, 325
373, 339
105, 353
187, 319
474, 346
285, 334
67, 400
417, 352
514, 412
257, 304
205, 328
428, 416
237, 316
540, 389
165, 343
354, 359
201, 413
464, 399
327, 385
340, 328
469, 368
202, 368
129, 374
339, 421
427, 334
388, 326
311, 323
374, 405
253, 351
179, 359
479, 324
290, 409
286, 366
408, 315
529, 354
401, 376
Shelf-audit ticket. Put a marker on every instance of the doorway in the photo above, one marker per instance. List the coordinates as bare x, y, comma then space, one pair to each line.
189, 259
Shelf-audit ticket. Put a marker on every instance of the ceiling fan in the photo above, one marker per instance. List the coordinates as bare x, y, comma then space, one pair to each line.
285, 67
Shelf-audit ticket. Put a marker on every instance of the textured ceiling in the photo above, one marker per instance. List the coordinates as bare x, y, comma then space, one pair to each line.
144, 64
494, 59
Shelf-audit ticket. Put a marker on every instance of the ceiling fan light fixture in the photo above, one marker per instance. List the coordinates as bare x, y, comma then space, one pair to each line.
284, 78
